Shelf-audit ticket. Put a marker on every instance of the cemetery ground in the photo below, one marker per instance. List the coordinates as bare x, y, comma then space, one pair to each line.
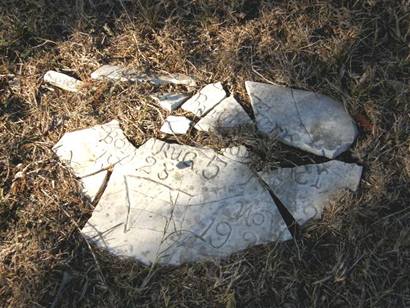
356, 255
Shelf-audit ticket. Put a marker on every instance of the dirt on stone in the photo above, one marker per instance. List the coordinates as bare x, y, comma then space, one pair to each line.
356, 52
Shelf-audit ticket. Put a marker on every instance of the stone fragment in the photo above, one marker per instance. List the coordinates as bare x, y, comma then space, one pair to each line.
306, 120
238, 153
176, 204
63, 81
91, 151
112, 72
307, 190
227, 114
170, 101
118, 73
206, 99
180, 79
177, 125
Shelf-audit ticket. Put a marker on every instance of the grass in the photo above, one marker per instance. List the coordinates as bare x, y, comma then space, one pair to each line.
357, 255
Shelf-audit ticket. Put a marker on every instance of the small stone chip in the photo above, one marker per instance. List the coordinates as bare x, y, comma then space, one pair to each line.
170, 101
177, 125
63, 81
227, 114
206, 99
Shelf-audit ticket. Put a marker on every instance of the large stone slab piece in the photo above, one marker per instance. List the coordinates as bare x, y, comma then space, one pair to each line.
227, 114
170, 203
176, 204
306, 120
206, 99
92, 151
307, 190
63, 81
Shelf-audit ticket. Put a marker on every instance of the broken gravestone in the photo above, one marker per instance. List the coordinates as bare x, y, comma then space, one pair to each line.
307, 190
227, 114
171, 203
118, 73
206, 99
91, 152
306, 120
63, 81
177, 125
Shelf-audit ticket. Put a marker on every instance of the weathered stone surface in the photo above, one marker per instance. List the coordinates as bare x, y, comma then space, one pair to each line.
309, 121
171, 203
307, 190
89, 152
226, 115
118, 73
63, 81
112, 72
206, 99
170, 101
176, 204
93, 183
180, 79
177, 125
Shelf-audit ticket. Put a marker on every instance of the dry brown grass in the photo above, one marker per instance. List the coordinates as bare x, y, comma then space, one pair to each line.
356, 51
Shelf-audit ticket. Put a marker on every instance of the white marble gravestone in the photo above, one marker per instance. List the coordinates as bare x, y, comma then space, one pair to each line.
227, 114
307, 120
206, 99
63, 81
307, 190
170, 203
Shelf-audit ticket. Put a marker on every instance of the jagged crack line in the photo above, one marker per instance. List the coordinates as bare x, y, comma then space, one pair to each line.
299, 116
129, 204
291, 223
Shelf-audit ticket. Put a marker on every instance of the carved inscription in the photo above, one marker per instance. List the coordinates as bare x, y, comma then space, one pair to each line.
242, 218
213, 167
309, 175
117, 149
173, 203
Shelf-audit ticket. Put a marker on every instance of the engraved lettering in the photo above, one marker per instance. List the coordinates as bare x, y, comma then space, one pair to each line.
298, 176
212, 170
250, 237
320, 170
223, 229
190, 156
151, 161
